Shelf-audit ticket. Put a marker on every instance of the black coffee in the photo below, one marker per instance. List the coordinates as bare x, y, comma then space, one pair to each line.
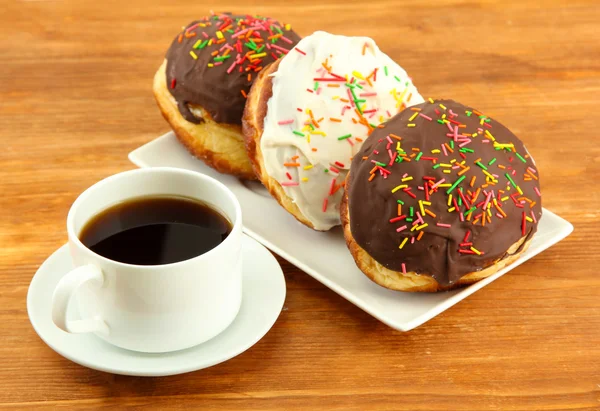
155, 230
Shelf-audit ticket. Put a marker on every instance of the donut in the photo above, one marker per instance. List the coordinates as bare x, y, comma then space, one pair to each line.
202, 85
438, 197
309, 113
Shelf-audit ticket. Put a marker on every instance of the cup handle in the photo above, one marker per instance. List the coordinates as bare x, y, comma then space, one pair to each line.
62, 295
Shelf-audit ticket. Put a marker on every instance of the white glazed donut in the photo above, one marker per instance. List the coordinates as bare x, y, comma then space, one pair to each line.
328, 94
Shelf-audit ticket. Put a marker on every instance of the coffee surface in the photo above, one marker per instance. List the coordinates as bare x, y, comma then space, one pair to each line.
155, 230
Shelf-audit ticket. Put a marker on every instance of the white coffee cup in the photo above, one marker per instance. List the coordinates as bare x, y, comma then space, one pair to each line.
156, 308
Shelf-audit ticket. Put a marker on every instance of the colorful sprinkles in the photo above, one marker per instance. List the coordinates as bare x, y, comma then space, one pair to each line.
240, 43
494, 192
354, 104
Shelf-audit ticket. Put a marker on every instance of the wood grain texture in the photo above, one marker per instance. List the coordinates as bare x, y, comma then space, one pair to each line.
75, 98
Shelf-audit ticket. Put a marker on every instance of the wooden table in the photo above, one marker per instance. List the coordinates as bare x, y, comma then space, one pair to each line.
75, 98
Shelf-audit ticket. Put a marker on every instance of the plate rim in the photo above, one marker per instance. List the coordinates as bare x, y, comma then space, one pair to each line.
564, 231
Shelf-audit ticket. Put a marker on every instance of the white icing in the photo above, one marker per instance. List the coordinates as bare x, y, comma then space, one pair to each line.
296, 73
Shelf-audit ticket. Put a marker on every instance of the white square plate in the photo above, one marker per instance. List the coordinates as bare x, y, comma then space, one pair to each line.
324, 256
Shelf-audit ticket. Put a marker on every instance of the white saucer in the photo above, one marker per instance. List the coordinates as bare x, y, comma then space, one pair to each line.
262, 300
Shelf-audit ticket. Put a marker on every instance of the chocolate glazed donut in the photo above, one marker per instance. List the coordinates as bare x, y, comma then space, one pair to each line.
441, 192
202, 85
222, 88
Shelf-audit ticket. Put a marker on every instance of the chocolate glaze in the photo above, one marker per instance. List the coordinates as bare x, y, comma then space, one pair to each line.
372, 204
213, 88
